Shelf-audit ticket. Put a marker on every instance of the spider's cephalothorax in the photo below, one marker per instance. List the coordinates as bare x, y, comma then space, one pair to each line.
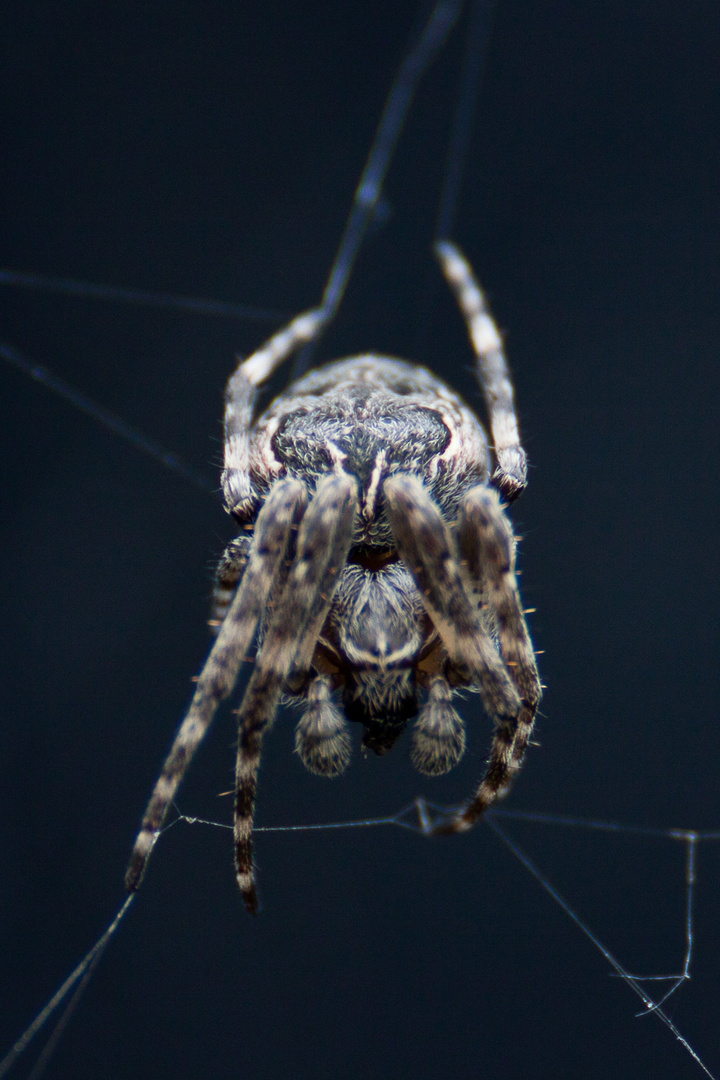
375, 566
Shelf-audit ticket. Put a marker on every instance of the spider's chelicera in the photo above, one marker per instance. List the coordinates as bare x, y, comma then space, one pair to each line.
375, 567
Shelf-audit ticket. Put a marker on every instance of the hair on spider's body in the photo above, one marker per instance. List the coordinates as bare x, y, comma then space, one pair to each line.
375, 569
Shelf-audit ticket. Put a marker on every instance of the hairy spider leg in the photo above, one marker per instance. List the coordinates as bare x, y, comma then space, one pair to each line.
241, 395
296, 619
265, 562
491, 369
218, 677
425, 545
486, 546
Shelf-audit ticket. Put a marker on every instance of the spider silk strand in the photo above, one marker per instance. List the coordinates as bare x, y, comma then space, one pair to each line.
417, 61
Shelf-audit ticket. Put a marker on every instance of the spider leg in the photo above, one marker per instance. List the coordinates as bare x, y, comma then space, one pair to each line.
218, 677
425, 545
492, 370
241, 395
240, 398
227, 578
487, 549
323, 542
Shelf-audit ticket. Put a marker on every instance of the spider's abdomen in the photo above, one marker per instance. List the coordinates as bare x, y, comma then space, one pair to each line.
367, 439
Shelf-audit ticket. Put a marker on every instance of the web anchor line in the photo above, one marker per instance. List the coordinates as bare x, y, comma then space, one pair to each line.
87, 290
418, 59
420, 817
76, 982
107, 419
691, 842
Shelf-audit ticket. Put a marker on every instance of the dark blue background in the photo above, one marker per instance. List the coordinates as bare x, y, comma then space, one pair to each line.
212, 149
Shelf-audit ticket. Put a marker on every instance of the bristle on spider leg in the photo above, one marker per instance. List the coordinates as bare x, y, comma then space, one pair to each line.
487, 546
424, 542
491, 369
428, 550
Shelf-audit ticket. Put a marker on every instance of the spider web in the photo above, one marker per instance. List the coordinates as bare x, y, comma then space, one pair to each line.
653, 990
646, 919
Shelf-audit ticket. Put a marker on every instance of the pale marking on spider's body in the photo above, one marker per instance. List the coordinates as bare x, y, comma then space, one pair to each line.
368, 508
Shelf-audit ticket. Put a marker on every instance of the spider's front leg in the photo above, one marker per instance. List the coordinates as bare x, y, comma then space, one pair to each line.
298, 614
487, 550
264, 568
269, 550
508, 684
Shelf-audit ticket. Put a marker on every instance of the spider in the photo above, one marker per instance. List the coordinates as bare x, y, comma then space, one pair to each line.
375, 561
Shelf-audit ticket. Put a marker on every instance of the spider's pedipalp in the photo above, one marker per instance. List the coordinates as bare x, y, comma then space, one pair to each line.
322, 739
438, 740
219, 675
296, 619
492, 369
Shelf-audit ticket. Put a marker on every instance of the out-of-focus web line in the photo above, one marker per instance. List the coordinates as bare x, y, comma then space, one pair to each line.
58, 386
459, 144
197, 305
106, 418
417, 817
418, 59
478, 33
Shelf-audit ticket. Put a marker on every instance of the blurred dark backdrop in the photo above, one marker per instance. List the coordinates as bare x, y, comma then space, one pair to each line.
213, 149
